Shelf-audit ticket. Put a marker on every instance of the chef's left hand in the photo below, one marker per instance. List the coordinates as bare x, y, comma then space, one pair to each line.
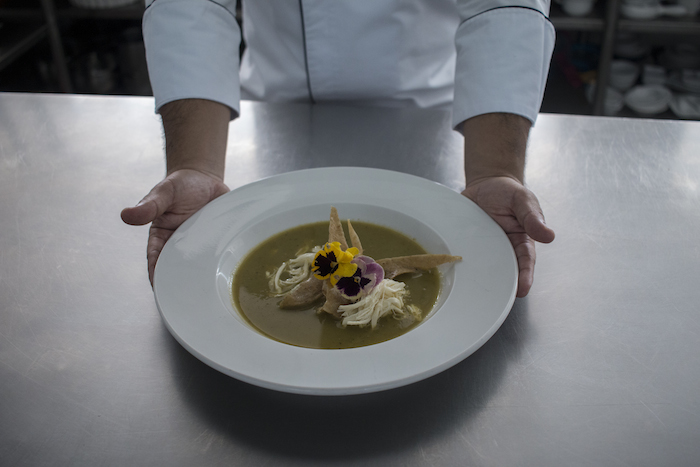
516, 209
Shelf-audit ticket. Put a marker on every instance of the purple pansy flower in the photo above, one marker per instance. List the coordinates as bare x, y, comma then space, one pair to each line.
368, 274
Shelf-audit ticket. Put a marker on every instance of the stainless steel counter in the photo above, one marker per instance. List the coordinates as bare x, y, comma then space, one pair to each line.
599, 365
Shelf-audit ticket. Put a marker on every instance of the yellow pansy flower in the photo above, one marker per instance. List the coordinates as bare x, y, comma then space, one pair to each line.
331, 262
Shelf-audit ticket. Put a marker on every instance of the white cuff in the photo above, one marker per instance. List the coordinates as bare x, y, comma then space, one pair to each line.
192, 51
503, 60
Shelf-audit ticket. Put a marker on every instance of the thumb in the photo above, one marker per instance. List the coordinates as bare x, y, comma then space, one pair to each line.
152, 206
529, 213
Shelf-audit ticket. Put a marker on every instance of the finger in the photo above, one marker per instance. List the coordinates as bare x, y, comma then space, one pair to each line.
156, 240
529, 213
524, 248
153, 205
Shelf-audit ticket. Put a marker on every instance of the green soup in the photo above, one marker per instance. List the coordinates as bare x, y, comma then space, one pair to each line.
306, 327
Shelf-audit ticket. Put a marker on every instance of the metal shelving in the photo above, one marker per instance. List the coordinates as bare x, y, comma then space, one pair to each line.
48, 14
605, 18
594, 21
674, 26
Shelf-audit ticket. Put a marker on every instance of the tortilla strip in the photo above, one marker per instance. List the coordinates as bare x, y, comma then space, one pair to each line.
354, 238
333, 300
303, 294
335, 230
403, 264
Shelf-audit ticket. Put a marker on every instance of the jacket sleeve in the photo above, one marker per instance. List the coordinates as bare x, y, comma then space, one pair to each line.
504, 48
192, 50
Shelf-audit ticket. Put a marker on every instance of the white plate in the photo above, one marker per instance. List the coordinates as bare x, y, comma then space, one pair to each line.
193, 277
648, 99
686, 106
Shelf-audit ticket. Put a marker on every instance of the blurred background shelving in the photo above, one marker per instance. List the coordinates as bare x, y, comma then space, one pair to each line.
74, 49
57, 46
589, 46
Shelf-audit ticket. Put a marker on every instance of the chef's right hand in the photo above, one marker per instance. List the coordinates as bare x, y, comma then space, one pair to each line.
196, 133
169, 204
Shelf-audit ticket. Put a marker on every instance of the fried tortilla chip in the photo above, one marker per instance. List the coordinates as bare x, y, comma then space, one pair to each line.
354, 238
394, 267
303, 294
333, 300
335, 230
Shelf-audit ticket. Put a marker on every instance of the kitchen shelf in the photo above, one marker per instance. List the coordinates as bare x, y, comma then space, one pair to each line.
603, 19
594, 21
675, 26
49, 13
606, 19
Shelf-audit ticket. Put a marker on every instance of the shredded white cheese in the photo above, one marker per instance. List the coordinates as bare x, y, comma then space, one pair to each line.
295, 271
386, 298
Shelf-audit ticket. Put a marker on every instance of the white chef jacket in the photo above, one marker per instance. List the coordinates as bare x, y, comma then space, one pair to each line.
477, 56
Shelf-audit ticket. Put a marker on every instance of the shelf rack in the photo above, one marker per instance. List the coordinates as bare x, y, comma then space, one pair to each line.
49, 14
604, 18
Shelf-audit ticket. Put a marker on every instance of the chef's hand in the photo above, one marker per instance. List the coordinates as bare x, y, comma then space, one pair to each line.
196, 133
494, 164
169, 204
517, 211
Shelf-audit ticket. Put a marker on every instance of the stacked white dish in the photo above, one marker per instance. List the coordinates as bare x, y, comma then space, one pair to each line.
576, 7
649, 9
685, 81
654, 74
674, 82
648, 99
614, 100
623, 74
629, 46
686, 106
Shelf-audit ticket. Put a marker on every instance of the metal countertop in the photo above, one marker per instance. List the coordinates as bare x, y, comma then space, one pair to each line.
599, 365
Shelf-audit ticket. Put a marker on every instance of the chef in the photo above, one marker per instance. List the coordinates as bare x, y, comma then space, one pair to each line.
486, 60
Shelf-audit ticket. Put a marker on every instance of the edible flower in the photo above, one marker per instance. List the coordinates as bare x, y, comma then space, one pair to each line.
368, 274
331, 262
